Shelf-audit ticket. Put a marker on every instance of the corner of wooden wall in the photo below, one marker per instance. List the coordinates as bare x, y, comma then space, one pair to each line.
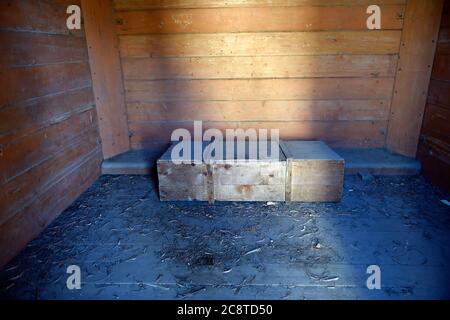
417, 50
106, 70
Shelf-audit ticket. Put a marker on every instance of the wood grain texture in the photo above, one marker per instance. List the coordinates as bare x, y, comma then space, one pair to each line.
260, 67
266, 110
28, 49
22, 154
267, 43
281, 63
306, 89
439, 93
42, 80
107, 76
49, 143
18, 192
316, 173
48, 203
305, 18
41, 16
126, 5
178, 182
259, 180
434, 145
419, 40
29, 116
363, 134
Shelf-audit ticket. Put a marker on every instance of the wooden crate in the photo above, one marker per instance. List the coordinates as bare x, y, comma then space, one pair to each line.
245, 179
315, 173
187, 181
234, 179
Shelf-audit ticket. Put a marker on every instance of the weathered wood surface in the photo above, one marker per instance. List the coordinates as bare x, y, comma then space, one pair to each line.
237, 179
257, 44
348, 134
419, 38
434, 145
262, 19
316, 173
50, 149
125, 5
184, 181
107, 76
299, 66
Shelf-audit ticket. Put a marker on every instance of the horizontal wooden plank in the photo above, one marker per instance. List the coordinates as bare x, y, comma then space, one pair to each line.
436, 122
435, 148
169, 174
446, 15
20, 119
444, 42
48, 204
159, 4
439, 93
335, 133
444, 35
25, 49
182, 182
435, 157
441, 69
287, 89
316, 193
315, 172
305, 18
18, 192
250, 174
37, 16
183, 193
42, 80
261, 193
260, 67
31, 150
252, 44
284, 110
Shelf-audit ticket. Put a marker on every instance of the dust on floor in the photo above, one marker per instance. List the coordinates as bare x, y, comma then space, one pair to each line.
129, 245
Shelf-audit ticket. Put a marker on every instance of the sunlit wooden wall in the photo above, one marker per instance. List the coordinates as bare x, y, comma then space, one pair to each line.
309, 68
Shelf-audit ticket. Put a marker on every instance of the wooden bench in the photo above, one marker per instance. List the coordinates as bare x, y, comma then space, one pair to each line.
303, 171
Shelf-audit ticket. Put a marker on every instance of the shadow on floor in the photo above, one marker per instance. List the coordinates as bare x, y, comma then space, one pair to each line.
131, 246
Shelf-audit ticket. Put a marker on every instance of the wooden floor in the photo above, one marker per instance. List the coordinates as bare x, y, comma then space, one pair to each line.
131, 246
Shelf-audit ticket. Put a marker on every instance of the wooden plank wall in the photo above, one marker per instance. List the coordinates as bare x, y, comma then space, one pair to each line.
434, 146
49, 143
309, 68
417, 51
104, 60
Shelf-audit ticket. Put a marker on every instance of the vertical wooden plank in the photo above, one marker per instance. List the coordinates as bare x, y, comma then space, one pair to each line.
210, 183
417, 51
103, 46
289, 157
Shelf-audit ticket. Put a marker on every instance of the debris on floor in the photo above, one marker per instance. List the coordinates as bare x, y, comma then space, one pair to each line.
446, 202
129, 245
365, 176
